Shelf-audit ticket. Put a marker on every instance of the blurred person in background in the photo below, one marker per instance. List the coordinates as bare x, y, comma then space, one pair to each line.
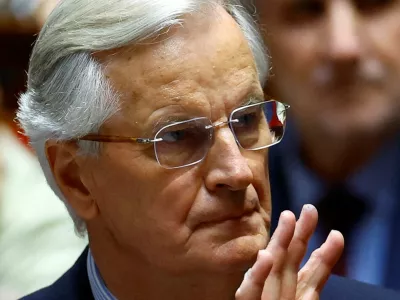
31, 13
37, 241
337, 63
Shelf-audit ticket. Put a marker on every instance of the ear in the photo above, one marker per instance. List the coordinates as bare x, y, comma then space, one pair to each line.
67, 168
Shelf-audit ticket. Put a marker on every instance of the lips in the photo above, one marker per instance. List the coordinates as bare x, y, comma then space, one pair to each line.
226, 218
225, 206
233, 217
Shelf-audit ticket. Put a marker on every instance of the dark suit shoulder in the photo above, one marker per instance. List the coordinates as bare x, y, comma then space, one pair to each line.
347, 289
74, 284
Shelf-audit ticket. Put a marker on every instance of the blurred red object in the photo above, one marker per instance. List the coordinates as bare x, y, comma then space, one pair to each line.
20, 135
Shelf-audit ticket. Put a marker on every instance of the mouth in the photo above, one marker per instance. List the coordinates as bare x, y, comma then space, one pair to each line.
231, 219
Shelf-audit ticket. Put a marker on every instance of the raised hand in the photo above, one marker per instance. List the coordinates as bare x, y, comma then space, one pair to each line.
275, 275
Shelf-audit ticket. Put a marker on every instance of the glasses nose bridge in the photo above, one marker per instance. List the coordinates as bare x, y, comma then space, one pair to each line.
220, 124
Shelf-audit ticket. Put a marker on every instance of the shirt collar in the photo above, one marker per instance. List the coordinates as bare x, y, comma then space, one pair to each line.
99, 288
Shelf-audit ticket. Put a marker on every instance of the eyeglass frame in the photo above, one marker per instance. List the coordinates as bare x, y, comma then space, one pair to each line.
145, 141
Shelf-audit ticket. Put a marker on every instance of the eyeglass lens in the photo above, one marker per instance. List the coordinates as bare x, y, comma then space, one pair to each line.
254, 126
259, 125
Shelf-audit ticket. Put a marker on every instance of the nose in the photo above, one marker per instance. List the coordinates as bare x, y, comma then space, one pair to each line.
343, 43
226, 166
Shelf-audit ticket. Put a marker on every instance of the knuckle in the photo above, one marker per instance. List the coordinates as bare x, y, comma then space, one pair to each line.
316, 255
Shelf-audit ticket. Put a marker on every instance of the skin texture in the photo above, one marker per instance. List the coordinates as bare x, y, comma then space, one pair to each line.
170, 234
342, 76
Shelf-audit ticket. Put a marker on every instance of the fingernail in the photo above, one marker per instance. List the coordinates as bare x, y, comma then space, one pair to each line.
248, 273
282, 216
332, 233
304, 208
308, 207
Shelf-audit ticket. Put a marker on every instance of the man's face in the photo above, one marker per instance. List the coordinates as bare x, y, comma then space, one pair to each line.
337, 62
211, 216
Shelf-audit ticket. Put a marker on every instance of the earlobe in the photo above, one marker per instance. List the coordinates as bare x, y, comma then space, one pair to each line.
67, 169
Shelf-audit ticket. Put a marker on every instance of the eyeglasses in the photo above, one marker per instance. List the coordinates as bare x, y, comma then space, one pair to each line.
181, 144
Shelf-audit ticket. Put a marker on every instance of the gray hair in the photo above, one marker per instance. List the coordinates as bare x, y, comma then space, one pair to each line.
68, 95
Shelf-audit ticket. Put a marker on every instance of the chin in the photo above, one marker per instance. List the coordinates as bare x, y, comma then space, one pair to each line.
230, 246
240, 253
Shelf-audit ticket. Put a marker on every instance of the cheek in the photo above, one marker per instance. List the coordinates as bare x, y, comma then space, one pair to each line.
385, 44
258, 163
121, 196
293, 58
137, 203
300, 45
178, 196
265, 201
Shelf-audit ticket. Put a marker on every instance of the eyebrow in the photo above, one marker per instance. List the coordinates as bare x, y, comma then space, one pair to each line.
253, 97
168, 120
253, 100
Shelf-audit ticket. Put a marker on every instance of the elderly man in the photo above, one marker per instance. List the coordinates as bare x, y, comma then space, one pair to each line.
150, 123
337, 63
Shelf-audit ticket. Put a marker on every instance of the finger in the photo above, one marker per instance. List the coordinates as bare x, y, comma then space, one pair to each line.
313, 276
305, 227
278, 247
253, 282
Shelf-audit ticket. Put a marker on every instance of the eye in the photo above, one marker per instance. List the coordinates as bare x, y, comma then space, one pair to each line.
300, 11
246, 119
174, 136
371, 6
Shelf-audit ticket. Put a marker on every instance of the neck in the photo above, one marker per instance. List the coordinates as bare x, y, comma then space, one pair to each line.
128, 276
335, 159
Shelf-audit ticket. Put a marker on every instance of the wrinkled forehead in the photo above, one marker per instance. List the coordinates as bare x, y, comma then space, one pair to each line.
204, 61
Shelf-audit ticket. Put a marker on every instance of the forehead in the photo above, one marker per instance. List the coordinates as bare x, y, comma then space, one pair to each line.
202, 64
